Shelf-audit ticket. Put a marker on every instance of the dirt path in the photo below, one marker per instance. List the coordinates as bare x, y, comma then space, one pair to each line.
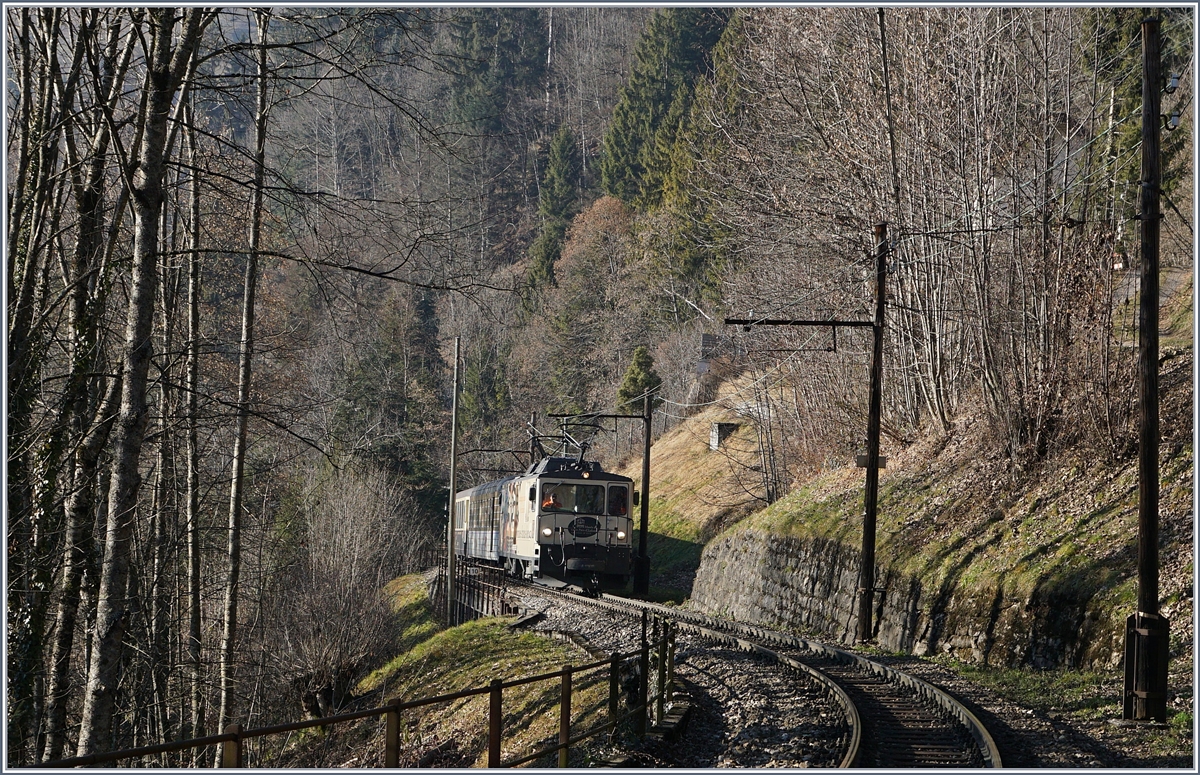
1171, 280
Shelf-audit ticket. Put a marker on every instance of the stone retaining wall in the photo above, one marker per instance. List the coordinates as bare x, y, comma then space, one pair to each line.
809, 585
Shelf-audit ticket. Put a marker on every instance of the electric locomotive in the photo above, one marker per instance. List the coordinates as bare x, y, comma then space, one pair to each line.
562, 517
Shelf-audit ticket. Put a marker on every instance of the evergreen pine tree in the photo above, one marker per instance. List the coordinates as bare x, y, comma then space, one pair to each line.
559, 186
394, 383
691, 242
656, 156
544, 251
640, 380
484, 389
1118, 33
671, 53
502, 57
556, 206
497, 105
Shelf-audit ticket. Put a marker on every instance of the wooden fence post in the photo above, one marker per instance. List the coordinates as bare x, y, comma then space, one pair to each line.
495, 709
231, 750
564, 717
391, 753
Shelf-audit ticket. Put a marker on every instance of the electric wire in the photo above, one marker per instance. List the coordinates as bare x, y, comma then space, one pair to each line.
1014, 222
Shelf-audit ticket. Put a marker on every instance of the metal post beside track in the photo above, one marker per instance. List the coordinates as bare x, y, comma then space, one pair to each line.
659, 708
614, 691
641, 564
671, 660
643, 689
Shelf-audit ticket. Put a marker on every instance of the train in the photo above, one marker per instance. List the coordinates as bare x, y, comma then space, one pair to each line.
562, 517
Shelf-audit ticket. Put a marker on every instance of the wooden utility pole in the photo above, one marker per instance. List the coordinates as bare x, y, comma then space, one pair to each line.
641, 564
874, 421
866, 591
1146, 636
453, 491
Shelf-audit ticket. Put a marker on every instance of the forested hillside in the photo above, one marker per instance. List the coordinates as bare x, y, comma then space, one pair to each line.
241, 244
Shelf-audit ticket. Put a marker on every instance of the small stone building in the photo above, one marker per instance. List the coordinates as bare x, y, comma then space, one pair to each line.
720, 431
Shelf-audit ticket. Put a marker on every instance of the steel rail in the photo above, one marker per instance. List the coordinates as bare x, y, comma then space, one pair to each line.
853, 737
832, 687
986, 744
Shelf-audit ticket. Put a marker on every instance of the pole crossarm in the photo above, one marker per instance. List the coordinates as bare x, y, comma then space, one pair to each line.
496, 451
599, 416
866, 587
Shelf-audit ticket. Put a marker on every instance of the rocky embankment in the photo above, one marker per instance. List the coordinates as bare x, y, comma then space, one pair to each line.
811, 585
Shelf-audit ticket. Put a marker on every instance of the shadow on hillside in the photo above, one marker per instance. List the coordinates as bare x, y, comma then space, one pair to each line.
1047, 627
939, 608
673, 562
1053, 628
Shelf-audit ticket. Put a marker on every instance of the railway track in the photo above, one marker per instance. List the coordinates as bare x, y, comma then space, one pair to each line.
893, 719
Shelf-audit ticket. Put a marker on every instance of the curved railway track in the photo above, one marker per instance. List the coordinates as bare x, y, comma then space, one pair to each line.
893, 719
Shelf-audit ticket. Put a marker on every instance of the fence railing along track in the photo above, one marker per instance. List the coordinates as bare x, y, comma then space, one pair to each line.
479, 590
233, 738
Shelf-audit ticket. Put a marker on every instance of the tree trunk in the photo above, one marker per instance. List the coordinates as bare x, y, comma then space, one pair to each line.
79, 521
88, 272
35, 507
164, 72
162, 533
193, 447
229, 631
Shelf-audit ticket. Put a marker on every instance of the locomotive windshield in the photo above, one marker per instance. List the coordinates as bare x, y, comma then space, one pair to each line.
618, 500
575, 498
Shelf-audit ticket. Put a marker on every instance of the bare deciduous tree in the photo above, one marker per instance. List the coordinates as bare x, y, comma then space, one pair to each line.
166, 61
354, 532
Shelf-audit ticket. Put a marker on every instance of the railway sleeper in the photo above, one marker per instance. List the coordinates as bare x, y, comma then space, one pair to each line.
941, 732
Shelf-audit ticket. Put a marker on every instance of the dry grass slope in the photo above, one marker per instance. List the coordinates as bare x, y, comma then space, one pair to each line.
696, 493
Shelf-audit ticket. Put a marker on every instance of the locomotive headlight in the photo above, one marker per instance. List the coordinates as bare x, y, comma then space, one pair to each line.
547, 532
620, 534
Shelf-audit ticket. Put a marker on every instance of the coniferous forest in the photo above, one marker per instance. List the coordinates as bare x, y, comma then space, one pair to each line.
241, 244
